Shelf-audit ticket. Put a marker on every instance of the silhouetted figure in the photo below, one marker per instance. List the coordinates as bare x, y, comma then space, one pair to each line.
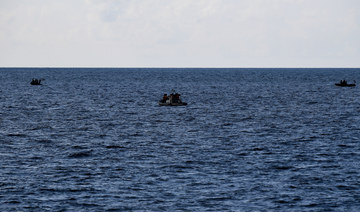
171, 98
165, 97
177, 98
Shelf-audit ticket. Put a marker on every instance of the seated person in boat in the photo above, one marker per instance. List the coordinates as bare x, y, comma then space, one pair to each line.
177, 98
165, 97
171, 98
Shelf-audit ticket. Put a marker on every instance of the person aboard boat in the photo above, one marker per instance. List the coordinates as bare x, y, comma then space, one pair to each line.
177, 98
165, 97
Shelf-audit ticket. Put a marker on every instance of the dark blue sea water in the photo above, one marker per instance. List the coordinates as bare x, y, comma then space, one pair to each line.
249, 140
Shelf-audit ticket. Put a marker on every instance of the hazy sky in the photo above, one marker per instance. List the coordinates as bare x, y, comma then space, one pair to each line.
180, 33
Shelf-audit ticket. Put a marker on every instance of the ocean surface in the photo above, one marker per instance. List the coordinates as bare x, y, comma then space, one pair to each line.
248, 140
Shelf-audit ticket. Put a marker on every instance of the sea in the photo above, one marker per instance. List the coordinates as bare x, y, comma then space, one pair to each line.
96, 139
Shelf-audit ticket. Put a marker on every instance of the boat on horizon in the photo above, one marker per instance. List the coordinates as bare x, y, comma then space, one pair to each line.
343, 83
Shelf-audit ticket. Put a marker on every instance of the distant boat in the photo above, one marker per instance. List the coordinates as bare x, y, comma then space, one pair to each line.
172, 100
343, 83
35, 82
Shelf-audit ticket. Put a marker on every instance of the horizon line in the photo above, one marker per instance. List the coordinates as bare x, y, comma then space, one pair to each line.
85, 67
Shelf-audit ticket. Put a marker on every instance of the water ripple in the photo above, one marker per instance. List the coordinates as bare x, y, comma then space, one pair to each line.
249, 140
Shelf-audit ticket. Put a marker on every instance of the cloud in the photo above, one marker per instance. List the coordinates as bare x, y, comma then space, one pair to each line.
221, 33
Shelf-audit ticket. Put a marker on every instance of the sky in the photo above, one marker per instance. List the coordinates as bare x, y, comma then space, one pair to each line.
180, 33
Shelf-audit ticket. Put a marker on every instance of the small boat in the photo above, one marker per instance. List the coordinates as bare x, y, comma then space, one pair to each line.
172, 100
343, 83
35, 82
347, 85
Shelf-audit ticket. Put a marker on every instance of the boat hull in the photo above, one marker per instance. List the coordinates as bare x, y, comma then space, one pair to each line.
345, 85
172, 104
